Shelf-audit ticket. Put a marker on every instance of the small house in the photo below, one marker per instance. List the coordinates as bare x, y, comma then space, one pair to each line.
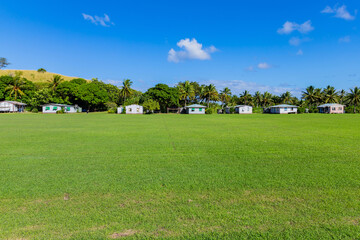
240, 109
120, 110
54, 107
195, 109
134, 109
332, 108
284, 109
12, 106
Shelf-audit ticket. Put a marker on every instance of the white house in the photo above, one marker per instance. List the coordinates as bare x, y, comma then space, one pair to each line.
195, 109
283, 109
241, 109
12, 106
120, 110
332, 108
134, 109
54, 107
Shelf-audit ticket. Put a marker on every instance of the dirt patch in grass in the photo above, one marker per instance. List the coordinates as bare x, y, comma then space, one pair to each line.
125, 233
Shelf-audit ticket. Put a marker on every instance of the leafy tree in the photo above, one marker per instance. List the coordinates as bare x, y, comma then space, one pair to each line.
210, 94
186, 91
330, 95
225, 96
41, 70
246, 98
166, 96
257, 98
353, 97
151, 105
55, 82
286, 98
16, 87
3, 63
92, 95
126, 90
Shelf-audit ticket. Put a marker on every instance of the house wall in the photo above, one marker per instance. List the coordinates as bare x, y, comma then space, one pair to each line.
52, 110
10, 107
134, 109
244, 110
195, 111
119, 110
337, 109
283, 110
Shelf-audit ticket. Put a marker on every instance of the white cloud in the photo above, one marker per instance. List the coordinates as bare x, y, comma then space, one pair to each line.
263, 65
300, 52
340, 12
290, 27
345, 39
250, 69
191, 50
103, 21
296, 41
238, 86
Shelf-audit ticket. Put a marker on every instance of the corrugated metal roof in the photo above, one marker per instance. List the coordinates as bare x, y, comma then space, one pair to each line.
196, 106
58, 105
16, 103
284, 105
330, 105
243, 106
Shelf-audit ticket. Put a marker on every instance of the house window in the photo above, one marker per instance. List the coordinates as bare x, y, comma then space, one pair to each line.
47, 108
130, 109
292, 109
340, 108
138, 109
334, 108
67, 108
285, 109
200, 109
193, 109
54, 108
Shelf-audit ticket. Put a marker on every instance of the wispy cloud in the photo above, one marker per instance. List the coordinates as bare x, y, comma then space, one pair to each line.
300, 52
264, 65
289, 27
296, 41
250, 69
339, 12
345, 39
102, 21
191, 50
238, 86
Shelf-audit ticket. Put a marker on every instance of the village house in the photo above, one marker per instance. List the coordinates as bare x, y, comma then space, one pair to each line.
54, 107
12, 106
240, 109
195, 109
283, 109
131, 109
332, 108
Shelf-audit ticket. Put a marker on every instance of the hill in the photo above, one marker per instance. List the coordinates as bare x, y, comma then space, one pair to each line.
35, 76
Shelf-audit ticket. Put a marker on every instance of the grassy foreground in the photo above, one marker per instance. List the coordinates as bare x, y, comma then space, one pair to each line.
96, 176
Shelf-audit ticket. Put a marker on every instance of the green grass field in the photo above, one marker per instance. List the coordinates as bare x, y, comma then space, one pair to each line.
96, 176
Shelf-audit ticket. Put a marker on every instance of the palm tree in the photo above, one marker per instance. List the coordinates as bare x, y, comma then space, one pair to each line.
257, 98
318, 96
286, 98
16, 87
246, 97
186, 90
330, 95
353, 97
225, 96
126, 90
210, 94
266, 99
55, 82
342, 96
310, 95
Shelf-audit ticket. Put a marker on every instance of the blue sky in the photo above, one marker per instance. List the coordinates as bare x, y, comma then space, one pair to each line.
255, 45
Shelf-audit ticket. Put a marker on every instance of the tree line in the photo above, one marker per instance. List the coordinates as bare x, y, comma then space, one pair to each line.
96, 95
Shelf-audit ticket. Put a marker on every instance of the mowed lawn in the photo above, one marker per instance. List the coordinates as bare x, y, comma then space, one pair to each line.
97, 175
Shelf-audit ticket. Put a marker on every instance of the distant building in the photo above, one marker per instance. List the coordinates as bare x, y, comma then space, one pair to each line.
120, 110
134, 109
332, 108
240, 109
54, 107
284, 109
12, 106
195, 109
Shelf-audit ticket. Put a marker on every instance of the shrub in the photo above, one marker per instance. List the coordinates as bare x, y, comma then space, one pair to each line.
61, 111
34, 110
301, 110
112, 111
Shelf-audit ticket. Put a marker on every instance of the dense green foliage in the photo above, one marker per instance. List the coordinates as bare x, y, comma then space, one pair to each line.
94, 95
97, 176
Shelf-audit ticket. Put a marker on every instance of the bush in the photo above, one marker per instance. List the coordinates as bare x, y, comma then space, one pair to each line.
34, 110
112, 111
61, 111
301, 110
